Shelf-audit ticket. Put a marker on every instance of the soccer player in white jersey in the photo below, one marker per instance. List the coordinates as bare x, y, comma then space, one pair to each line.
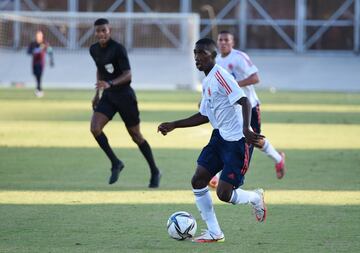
227, 108
238, 64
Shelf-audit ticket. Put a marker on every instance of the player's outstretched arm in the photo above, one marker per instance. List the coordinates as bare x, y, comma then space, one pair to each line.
194, 120
250, 136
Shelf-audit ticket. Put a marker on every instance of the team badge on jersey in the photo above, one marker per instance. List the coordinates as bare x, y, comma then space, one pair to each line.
109, 68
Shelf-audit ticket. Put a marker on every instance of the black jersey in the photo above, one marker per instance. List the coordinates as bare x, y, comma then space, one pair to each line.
111, 61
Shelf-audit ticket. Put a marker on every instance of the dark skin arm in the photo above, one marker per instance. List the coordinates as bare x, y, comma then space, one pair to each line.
252, 79
96, 98
194, 120
250, 136
198, 119
122, 79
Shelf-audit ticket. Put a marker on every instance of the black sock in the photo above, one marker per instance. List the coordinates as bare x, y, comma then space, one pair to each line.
146, 151
104, 144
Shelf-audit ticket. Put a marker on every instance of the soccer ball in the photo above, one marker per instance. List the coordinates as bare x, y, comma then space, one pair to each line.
181, 225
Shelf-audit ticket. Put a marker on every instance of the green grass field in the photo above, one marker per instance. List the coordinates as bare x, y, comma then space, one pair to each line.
54, 195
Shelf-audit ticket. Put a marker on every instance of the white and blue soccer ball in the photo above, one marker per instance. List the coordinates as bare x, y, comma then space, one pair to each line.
181, 225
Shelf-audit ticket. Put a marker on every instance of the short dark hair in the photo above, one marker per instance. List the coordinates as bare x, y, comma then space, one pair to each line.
101, 21
206, 42
226, 32
210, 44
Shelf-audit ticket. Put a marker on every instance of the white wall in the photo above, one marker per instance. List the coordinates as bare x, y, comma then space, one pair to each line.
162, 70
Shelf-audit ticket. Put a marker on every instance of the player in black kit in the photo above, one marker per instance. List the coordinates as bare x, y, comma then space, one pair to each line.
113, 78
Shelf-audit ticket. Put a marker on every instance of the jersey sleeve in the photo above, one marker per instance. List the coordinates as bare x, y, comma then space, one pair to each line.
123, 58
245, 64
202, 108
229, 87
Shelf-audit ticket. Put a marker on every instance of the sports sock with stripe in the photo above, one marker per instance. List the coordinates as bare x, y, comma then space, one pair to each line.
205, 206
240, 196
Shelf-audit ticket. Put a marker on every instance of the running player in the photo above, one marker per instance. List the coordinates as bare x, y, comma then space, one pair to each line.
38, 50
114, 78
239, 65
227, 108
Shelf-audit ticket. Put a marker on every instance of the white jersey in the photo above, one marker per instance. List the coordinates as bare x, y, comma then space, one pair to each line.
239, 65
220, 92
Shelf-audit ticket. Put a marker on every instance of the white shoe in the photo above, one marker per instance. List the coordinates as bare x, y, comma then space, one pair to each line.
39, 93
206, 236
260, 208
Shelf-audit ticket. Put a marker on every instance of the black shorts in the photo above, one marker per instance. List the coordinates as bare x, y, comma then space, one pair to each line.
122, 101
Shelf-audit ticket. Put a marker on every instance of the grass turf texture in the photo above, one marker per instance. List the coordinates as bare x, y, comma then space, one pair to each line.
46, 148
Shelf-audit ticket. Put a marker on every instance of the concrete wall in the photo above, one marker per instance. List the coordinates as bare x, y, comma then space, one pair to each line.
164, 70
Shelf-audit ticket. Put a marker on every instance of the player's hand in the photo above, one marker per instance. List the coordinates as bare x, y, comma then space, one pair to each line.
253, 138
166, 127
102, 85
95, 101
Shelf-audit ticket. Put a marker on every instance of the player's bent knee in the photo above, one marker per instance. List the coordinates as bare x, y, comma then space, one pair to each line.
223, 195
137, 139
96, 131
198, 183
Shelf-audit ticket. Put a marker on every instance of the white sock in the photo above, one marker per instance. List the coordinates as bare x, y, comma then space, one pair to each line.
205, 206
270, 151
240, 196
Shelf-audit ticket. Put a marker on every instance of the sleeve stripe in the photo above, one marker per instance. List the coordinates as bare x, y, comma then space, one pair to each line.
223, 83
227, 91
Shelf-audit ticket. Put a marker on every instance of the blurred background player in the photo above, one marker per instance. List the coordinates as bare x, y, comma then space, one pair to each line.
114, 78
228, 109
238, 64
38, 49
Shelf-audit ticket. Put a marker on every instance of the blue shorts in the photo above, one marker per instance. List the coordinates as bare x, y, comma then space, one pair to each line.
232, 157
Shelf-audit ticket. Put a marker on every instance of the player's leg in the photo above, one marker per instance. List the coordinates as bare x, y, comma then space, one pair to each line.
129, 112
145, 149
238, 155
38, 69
102, 115
208, 164
265, 146
205, 206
